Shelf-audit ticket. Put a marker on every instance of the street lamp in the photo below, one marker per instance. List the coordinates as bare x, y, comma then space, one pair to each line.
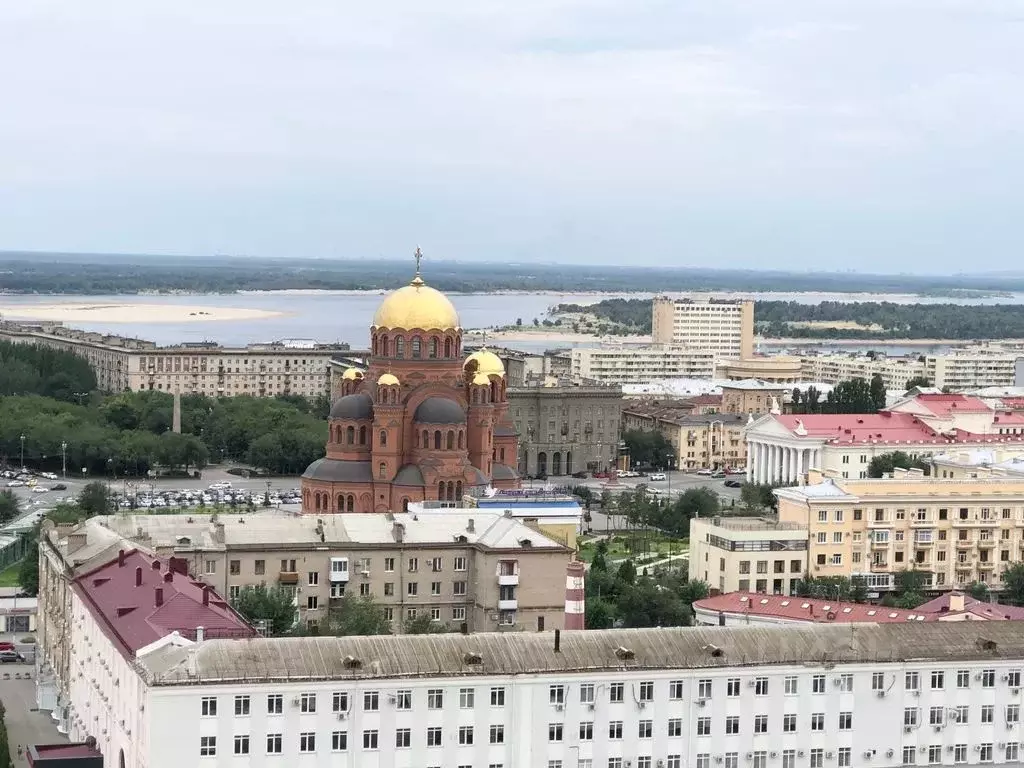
64, 459
22, 451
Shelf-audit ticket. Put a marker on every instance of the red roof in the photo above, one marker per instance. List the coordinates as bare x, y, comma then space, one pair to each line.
862, 427
990, 611
705, 400
808, 609
945, 405
138, 599
1012, 402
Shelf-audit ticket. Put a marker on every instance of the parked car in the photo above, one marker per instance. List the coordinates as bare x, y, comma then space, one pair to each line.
733, 484
580, 475
39, 489
705, 472
15, 483
10, 657
6, 645
658, 476
58, 487
718, 475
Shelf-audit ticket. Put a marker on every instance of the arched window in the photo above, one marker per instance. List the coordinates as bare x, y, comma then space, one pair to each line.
375, 345
426, 439
350, 435
362, 435
437, 440
460, 438
494, 392
451, 491
458, 490
433, 347
350, 504
317, 497
440, 491
384, 345
450, 441
382, 470
405, 505
502, 455
383, 438
447, 347
416, 347
399, 346
341, 502
476, 397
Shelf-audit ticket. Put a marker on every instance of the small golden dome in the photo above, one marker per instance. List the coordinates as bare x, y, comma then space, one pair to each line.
416, 305
352, 374
481, 379
388, 380
487, 363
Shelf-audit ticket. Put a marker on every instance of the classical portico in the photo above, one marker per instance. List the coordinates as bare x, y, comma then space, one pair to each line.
777, 455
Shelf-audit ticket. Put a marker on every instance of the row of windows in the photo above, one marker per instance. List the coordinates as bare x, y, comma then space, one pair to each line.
339, 565
307, 702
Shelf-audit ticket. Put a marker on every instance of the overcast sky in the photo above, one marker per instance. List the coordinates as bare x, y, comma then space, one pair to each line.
876, 135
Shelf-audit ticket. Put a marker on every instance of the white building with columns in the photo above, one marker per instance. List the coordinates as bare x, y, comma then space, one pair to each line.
781, 448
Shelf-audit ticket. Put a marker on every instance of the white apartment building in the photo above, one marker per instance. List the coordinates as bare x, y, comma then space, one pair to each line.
798, 697
833, 368
296, 367
722, 326
622, 364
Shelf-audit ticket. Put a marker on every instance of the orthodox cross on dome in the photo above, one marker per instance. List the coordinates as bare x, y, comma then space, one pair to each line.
418, 255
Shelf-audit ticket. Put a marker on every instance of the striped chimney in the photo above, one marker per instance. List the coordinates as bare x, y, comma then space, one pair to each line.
575, 601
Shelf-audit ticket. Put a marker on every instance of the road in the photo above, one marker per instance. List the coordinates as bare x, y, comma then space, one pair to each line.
25, 724
676, 483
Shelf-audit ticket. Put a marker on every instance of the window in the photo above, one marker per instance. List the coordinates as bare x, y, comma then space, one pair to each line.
1012, 752
938, 679
877, 681
790, 685
241, 706
414, 564
211, 566
313, 578
370, 739
433, 737
459, 564
371, 701
761, 686
497, 735
818, 684
1012, 713
435, 587
587, 693
703, 760
675, 690
910, 716
936, 715
789, 723
403, 699
646, 691
615, 729
732, 724
988, 678
235, 567
467, 697
616, 692
732, 686
818, 721
760, 723
789, 758
209, 706
207, 746
307, 702
845, 721
909, 755
704, 689
935, 754
339, 741
844, 755
987, 713
242, 745
703, 726
554, 731
817, 757
556, 694
497, 697
675, 726
459, 588
275, 704
459, 613
339, 701
586, 731
403, 738
465, 735
1013, 678
389, 565
312, 602
912, 681
960, 753
412, 588
963, 678
845, 683
435, 698
273, 743
960, 715
307, 742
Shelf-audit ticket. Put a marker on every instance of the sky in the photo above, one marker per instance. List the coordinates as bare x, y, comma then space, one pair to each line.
866, 135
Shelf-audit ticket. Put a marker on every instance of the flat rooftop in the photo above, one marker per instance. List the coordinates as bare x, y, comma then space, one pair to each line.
751, 524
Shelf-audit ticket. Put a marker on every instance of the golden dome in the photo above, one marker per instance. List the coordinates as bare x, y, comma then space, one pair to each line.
352, 374
388, 379
416, 305
481, 379
487, 363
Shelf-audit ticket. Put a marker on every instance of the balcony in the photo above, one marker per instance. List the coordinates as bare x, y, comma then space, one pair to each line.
508, 605
986, 565
339, 570
508, 579
879, 544
288, 577
879, 567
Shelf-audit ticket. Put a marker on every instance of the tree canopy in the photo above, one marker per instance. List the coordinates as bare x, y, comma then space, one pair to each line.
885, 463
273, 605
648, 448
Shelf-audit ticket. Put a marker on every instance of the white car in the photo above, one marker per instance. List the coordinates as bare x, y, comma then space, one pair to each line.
705, 472
15, 483
657, 476
40, 489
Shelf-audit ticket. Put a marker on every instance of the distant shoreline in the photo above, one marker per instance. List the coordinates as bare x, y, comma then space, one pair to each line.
131, 313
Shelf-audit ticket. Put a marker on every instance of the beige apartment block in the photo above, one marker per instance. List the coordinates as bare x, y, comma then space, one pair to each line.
777, 369
486, 569
722, 326
752, 396
296, 367
748, 554
956, 531
712, 440
627, 364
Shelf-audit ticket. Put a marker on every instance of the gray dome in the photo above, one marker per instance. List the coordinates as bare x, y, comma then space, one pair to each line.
503, 472
439, 410
337, 471
410, 474
357, 406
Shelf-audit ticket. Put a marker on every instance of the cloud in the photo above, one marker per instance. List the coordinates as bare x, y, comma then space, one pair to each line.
539, 129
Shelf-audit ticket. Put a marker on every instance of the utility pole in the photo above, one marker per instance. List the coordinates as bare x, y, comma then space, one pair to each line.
23, 450
64, 459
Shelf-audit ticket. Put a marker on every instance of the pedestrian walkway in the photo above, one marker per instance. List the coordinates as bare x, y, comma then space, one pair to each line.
25, 724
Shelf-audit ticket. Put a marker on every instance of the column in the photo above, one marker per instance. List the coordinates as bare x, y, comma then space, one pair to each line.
800, 465
762, 465
751, 448
784, 464
792, 465
772, 464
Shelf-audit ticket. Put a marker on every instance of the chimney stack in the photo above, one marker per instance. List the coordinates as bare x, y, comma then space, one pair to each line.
120, 558
206, 595
470, 526
558, 641
200, 634
956, 601
159, 597
138, 576
575, 600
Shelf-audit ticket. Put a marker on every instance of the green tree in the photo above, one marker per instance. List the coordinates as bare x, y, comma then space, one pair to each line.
95, 499
5, 745
598, 561
831, 588
758, 496
692, 591
851, 396
600, 613
1013, 584
273, 605
424, 625
979, 591
10, 506
28, 571
647, 448
885, 463
918, 381
877, 389
357, 616
627, 572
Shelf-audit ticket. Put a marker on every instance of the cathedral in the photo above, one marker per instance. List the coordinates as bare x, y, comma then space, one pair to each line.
422, 423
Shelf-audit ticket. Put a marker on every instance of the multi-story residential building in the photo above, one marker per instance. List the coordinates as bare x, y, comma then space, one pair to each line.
752, 396
832, 368
778, 369
628, 364
956, 531
748, 554
712, 440
782, 448
566, 428
817, 695
478, 567
989, 463
723, 327
297, 367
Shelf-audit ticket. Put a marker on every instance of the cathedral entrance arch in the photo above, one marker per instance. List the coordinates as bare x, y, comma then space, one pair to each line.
556, 463
542, 463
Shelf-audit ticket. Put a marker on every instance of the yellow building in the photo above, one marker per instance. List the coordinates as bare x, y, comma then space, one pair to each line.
778, 369
748, 554
958, 531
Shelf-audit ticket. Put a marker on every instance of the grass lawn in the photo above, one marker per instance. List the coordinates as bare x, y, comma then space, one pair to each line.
621, 547
9, 577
